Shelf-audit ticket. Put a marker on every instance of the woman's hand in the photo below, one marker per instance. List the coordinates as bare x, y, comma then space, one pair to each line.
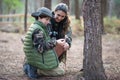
61, 42
66, 46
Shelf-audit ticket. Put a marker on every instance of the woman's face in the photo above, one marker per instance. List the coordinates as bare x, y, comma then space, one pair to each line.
59, 15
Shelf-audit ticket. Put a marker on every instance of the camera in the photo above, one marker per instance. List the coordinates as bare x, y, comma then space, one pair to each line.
53, 34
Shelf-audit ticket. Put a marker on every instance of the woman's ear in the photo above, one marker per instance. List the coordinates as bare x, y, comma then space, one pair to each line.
65, 19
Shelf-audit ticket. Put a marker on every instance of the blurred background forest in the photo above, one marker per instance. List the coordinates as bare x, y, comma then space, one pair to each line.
15, 18
12, 14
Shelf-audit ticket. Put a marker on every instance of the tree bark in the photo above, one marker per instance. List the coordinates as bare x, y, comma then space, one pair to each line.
1, 6
92, 63
25, 17
104, 5
103, 13
1, 10
47, 4
77, 10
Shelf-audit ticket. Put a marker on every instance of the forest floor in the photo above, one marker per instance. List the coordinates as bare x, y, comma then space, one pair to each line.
12, 57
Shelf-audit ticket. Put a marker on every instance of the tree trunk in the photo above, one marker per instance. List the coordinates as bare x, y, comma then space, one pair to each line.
93, 64
47, 4
111, 7
104, 6
77, 9
1, 9
1, 6
25, 17
39, 4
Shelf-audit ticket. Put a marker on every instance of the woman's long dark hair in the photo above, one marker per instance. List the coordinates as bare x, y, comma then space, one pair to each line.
66, 21
66, 24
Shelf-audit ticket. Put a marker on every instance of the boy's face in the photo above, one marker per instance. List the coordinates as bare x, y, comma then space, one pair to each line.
59, 15
45, 20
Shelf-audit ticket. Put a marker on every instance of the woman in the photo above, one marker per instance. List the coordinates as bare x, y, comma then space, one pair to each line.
60, 24
60, 29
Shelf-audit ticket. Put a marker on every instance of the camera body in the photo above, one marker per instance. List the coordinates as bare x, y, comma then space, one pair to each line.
53, 34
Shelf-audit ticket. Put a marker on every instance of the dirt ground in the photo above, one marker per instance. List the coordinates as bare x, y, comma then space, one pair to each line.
12, 56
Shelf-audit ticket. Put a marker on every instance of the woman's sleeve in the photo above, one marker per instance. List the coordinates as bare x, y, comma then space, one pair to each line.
68, 36
39, 41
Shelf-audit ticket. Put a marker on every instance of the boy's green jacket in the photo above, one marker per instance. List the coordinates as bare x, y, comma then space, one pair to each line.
47, 60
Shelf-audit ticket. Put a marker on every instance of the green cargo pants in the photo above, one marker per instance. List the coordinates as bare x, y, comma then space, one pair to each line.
59, 71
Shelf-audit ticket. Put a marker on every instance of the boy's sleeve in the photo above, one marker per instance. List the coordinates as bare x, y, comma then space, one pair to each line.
39, 41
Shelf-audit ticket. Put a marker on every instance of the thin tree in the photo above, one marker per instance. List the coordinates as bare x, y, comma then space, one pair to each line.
25, 17
40, 3
103, 13
1, 9
77, 11
92, 63
1, 6
47, 3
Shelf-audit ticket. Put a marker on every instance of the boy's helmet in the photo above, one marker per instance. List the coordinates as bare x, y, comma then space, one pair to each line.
42, 11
